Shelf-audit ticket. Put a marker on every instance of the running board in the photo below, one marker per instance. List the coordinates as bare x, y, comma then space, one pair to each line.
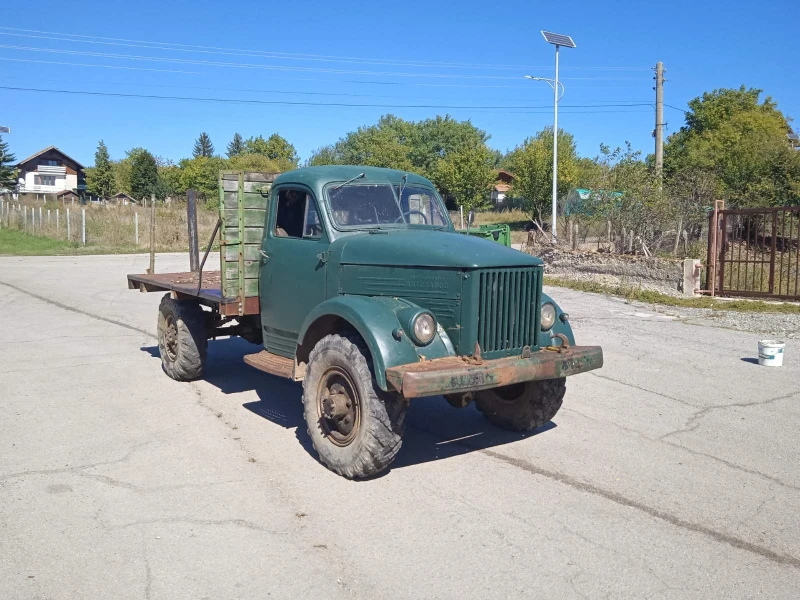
271, 363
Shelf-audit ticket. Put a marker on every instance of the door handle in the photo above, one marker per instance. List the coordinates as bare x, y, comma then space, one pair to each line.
263, 254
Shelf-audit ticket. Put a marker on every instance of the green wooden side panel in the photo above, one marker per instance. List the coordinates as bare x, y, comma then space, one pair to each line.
252, 235
243, 201
250, 252
250, 269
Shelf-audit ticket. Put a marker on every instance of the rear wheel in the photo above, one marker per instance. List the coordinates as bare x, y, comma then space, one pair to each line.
522, 406
182, 340
355, 427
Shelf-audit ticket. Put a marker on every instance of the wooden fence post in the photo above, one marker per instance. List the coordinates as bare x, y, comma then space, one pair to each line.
136, 226
152, 268
83, 226
69, 233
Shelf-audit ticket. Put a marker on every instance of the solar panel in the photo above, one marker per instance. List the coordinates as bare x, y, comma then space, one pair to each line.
558, 39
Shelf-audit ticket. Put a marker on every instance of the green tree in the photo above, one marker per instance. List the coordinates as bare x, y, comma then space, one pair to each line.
8, 172
203, 146
433, 139
100, 180
202, 175
254, 162
326, 155
406, 145
143, 175
169, 182
532, 165
467, 175
741, 142
626, 191
381, 145
275, 148
236, 146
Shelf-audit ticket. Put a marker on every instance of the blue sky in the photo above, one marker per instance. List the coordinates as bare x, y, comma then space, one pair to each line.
464, 54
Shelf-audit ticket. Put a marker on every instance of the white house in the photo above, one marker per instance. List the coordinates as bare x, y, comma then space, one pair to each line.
50, 172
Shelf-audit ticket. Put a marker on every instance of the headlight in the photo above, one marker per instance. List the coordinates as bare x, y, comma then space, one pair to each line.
548, 316
423, 328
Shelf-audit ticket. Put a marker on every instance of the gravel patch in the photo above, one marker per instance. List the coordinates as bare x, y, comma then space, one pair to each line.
775, 325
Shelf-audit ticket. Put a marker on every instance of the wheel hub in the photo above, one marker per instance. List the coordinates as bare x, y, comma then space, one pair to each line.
171, 338
338, 407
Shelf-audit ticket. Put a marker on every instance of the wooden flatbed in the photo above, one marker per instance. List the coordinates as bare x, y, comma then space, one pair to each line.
184, 285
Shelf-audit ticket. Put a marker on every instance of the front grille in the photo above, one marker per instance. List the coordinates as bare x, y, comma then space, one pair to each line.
507, 309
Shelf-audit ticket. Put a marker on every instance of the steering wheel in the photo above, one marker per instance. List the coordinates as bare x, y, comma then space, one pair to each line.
409, 213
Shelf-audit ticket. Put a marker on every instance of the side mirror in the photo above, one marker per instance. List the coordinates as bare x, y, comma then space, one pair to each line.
471, 218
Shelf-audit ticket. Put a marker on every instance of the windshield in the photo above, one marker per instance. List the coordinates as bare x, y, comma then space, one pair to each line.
359, 204
421, 207
375, 204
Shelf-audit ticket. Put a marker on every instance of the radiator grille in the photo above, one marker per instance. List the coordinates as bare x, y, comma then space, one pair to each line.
507, 309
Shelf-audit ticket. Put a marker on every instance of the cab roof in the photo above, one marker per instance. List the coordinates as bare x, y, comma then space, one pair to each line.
317, 177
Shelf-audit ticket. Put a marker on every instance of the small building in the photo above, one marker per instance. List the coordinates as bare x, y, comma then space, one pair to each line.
579, 201
500, 197
121, 198
68, 196
794, 139
50, 171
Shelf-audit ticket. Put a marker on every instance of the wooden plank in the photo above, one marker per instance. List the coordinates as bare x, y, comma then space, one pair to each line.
251, 269
223, 238
252, 235
251, 200
261, 177
251, 187
250, 253
252, 218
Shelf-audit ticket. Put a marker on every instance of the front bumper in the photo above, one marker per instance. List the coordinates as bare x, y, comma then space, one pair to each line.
455, 374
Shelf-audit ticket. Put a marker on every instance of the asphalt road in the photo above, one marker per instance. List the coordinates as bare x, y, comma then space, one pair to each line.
671, 473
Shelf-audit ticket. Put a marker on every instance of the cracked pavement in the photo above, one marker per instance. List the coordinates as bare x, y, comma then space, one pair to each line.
671, 473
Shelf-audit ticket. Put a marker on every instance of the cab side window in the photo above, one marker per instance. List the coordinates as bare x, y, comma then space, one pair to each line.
296, 216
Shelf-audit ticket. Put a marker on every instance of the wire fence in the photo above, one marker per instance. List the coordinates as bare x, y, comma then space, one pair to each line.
111, 227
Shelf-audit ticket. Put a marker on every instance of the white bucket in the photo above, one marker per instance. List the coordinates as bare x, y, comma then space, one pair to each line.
770, 353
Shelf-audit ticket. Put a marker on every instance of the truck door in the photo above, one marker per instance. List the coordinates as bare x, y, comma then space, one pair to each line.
292, 273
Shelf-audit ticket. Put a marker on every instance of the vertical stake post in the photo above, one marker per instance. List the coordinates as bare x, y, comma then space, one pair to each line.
191, 217
152, 268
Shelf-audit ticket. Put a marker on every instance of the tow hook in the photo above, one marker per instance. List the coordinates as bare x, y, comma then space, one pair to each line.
563, 348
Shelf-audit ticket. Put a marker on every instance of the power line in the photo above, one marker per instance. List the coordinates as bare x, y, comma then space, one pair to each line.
71, 37
317, 79
279, 67
287, 92
324, 104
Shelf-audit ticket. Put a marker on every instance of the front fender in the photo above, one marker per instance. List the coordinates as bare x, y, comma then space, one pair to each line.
374, 318
559, 327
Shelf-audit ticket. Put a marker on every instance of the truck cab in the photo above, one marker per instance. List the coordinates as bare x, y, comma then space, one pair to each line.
368, 295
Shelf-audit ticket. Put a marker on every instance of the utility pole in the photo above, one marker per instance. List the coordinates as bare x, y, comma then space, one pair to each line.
659, 131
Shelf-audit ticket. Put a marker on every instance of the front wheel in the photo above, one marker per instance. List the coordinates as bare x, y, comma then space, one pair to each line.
522, 406
182, 338
355, 427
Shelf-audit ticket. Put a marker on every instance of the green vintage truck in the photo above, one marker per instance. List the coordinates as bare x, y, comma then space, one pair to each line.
353, 280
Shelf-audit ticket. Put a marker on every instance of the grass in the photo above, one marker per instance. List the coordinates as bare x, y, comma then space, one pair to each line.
19, 243
637, 294
109, 229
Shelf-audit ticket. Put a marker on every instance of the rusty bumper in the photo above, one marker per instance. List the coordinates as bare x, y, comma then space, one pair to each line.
463, 374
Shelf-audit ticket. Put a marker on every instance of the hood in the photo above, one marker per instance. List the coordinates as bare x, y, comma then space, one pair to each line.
427, 248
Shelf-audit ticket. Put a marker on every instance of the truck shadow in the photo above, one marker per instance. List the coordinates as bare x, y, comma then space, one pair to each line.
434, 429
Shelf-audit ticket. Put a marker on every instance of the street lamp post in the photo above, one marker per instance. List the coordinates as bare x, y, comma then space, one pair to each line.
566, 41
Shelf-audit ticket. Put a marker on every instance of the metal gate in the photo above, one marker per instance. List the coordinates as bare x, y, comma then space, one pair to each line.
757, 252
